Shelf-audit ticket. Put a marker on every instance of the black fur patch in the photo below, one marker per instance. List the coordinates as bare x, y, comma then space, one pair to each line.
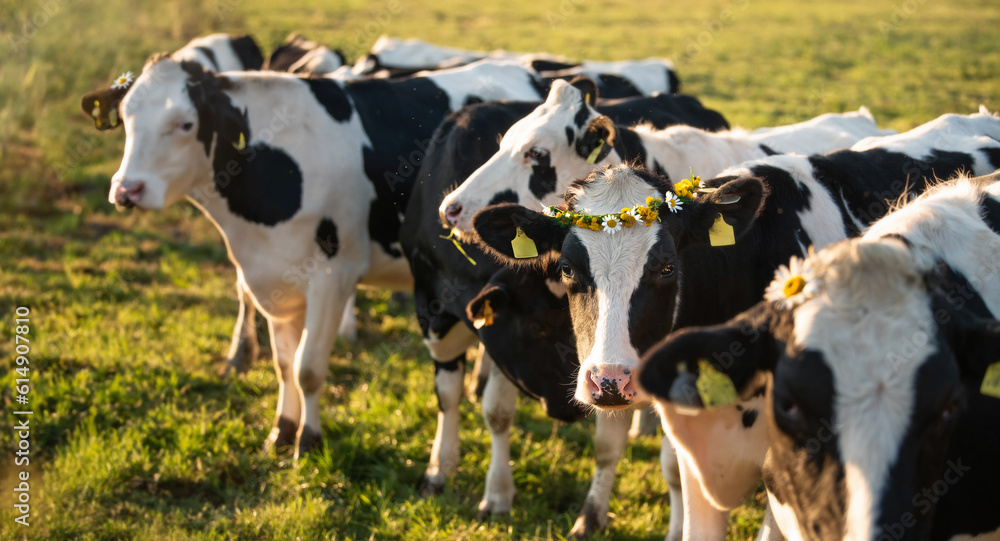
749, 416
326, 237
333, 98
989, 209
570, 135
768, 150
550, 65
506, 196
260, 183
581, 116
542, 181
248, 52
210, 54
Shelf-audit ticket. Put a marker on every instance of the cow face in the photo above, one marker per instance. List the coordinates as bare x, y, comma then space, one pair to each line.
622, 287
868, 378
177, 119
539, 156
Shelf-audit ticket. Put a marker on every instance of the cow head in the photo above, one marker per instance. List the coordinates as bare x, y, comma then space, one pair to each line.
622, 287
178, 119
562, 140
869, 375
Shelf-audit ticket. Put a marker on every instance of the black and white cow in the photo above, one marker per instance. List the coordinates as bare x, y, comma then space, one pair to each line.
220, 53
531, 341
302, 56
629, 290
878, 428
565, 139
306, 179
392, 57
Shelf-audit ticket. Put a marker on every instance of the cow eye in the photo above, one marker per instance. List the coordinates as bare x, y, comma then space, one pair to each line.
186, 127
949, 413
667, 271
567, 271
536, 153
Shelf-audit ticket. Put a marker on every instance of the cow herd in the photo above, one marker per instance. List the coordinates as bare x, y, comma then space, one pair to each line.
810, 306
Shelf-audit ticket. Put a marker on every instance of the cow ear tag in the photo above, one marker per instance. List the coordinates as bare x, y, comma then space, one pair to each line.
241, 144
991, 381
485, 316
721, 233
715, 388
523, 246
592, 159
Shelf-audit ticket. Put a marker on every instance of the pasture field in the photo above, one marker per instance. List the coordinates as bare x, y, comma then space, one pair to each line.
134, 434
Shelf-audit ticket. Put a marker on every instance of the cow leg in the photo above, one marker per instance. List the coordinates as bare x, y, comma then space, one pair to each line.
702, 520
348, 322
325, 301
480, 374
644, 422
609, 444
769, 526
244, 349
670, 467
285, 337
448, 352
499, 406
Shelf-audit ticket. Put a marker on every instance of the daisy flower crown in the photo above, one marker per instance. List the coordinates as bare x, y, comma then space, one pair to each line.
647, 214
793, 284
123, 80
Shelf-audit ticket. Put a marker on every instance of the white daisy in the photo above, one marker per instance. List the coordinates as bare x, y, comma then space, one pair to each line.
672, 202
634, 213
611, 224
701, 183
548, 210
123, 80
792, 285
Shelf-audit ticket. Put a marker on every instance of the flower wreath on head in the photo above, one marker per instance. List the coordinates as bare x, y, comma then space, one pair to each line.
793, 284
650, 212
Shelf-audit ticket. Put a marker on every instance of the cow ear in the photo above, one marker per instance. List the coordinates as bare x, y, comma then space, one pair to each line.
490, 299
735, 351
587, 88
976, 346
102, 106
596, 142
497, 226
721, 217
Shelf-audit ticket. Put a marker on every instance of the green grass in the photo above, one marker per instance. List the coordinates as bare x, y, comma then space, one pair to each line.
136, 437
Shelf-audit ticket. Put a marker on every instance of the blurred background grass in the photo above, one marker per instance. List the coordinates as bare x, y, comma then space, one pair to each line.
136, 437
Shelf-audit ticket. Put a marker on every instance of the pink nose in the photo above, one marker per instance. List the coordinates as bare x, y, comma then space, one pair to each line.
611, 386
452, 212
129, 192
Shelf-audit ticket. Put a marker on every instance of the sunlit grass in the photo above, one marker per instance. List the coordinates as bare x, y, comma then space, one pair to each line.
137, 437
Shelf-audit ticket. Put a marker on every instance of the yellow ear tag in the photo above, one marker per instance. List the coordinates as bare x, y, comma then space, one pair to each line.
715, 388
241, 144
96, 111
523, 246
721, 233
485, 316
991, 381
113, 117
593, 155
586, 97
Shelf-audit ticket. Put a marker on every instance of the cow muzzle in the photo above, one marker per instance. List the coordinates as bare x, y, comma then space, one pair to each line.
129, 193
610, 387
451, 214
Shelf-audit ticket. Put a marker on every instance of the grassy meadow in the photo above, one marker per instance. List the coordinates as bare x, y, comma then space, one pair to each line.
135, 435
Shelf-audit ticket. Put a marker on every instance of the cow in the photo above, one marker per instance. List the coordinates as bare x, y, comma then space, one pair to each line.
531, 341
305, 178
302, 56
219, 53
392, 57
703, 259
874, 349
564, 139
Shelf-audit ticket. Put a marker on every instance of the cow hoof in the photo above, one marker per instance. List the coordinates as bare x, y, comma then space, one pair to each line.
309, 441
587, 523
282, 435
427, 488
489, 509
244, 354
